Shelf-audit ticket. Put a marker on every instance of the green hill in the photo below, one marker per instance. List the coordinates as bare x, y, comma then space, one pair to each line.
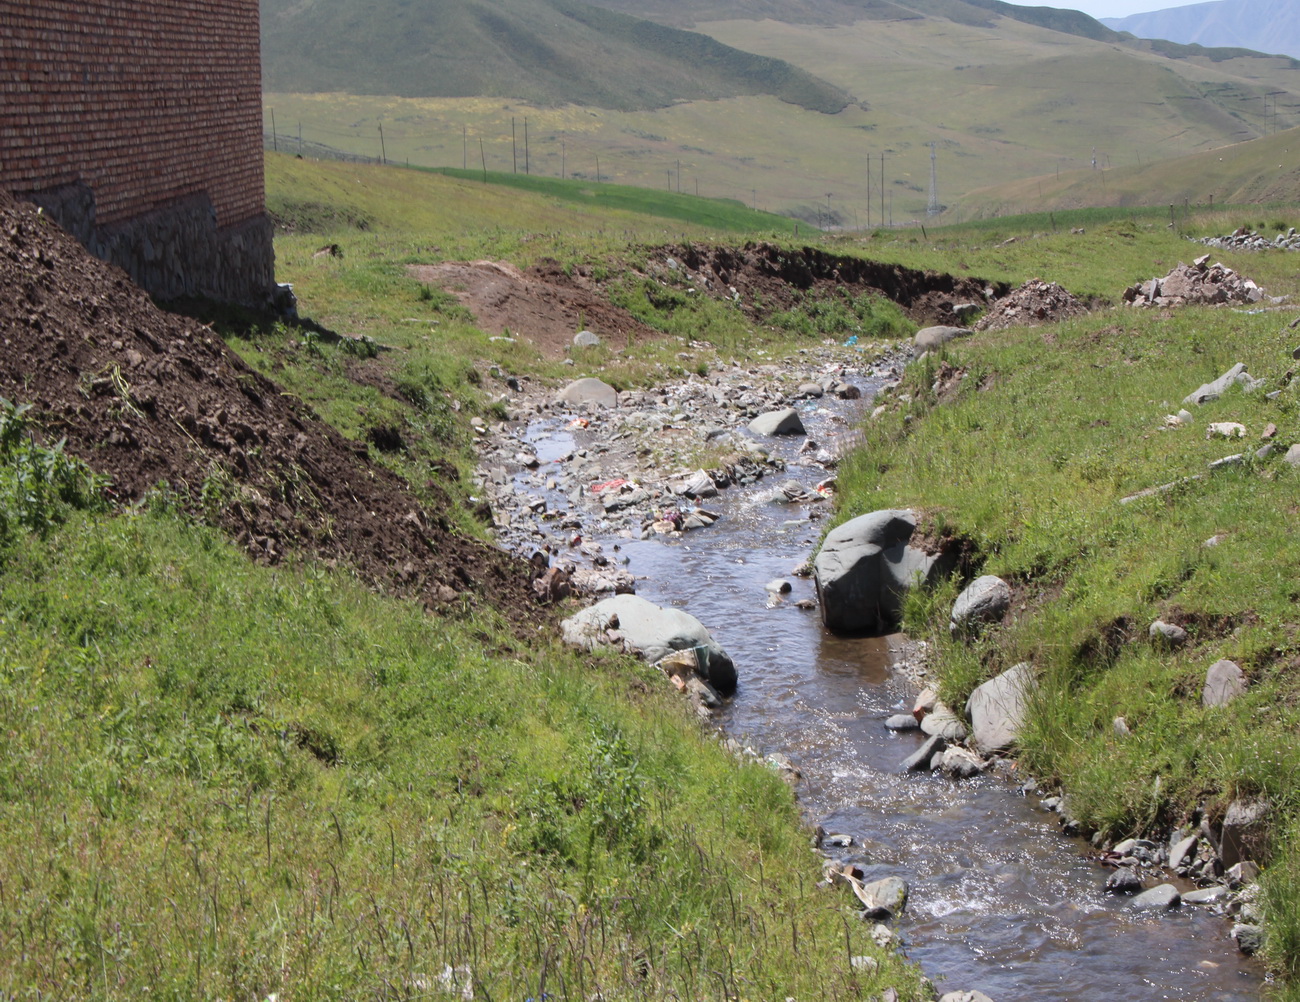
548, 52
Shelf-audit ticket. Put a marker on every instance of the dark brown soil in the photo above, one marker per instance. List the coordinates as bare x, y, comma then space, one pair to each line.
779, 277
146, 396
546, 304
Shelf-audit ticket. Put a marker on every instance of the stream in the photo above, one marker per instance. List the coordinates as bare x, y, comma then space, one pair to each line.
1000, 901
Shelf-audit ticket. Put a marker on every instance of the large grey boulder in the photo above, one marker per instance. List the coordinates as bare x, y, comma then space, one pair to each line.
997, 708
585, 339
653, 631
1224, 682
782, 422
936, 337
984, 600
590, 391
866, 566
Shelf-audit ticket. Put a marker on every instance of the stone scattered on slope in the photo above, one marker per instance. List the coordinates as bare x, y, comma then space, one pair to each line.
866, 566
1199, 283
931, 338
1246, 239
650, 631
997, 708
585, 339
1169, 634
1034, 303
1224, 682
984, 600
1236, 376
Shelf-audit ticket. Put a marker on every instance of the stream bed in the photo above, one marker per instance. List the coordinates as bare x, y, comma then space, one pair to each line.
1000, 900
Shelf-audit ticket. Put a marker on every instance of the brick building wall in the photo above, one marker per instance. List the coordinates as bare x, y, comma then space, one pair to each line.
138, 125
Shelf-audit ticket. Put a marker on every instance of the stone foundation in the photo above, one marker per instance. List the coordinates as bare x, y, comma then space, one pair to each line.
175, 250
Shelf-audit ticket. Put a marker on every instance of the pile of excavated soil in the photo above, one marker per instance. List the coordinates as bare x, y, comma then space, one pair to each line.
1036, 302
146, 396
543, 306
546, 304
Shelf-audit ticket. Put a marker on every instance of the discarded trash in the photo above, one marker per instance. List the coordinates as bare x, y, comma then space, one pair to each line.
608, 485
579, 422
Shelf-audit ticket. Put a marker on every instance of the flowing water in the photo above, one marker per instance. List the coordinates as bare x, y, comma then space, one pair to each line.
1000, 901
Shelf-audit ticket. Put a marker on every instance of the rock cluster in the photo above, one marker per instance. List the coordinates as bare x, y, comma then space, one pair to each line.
1034, 303
1198, 283
625, 474
1244, 239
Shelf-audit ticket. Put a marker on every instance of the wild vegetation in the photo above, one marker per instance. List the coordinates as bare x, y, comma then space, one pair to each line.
223, 778
1025, 448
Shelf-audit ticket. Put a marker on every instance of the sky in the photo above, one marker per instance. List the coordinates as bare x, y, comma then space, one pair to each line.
1111, 8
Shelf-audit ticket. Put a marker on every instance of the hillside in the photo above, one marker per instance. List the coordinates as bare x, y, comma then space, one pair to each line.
1265, 170
545, 51
1262, 25
1003, 91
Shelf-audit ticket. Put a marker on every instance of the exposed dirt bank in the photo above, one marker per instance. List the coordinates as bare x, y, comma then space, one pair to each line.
146, 396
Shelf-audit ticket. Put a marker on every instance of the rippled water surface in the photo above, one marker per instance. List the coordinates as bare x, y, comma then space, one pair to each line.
1000, 901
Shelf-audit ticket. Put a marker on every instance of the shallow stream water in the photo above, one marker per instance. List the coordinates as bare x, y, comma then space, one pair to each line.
1000, 901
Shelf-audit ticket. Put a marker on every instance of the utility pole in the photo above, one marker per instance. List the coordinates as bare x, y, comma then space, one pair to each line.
483, 157
514, 148
933, 208
464, 147
275, 144
882, 191
868, 191
563, 154
829, 221
526, 144
383, 153
598, 170
679, 177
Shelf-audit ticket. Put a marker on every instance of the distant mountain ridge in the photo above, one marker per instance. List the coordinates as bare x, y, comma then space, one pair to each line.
550, 52
1271, 26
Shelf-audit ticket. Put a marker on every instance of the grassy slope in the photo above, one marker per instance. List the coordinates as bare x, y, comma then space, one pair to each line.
1001, 101
547, 51
1261, 170
1051, 427
315, 791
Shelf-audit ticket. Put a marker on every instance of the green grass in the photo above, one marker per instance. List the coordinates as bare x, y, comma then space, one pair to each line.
314, 791
724, 215
1050, 428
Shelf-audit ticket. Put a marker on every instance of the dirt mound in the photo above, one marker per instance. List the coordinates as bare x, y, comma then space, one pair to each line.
769, 278
544, 306
1036, 302
146, 396
547, 304
1200, 283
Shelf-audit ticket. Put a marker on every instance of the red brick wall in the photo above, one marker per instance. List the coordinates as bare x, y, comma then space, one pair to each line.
144, 101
